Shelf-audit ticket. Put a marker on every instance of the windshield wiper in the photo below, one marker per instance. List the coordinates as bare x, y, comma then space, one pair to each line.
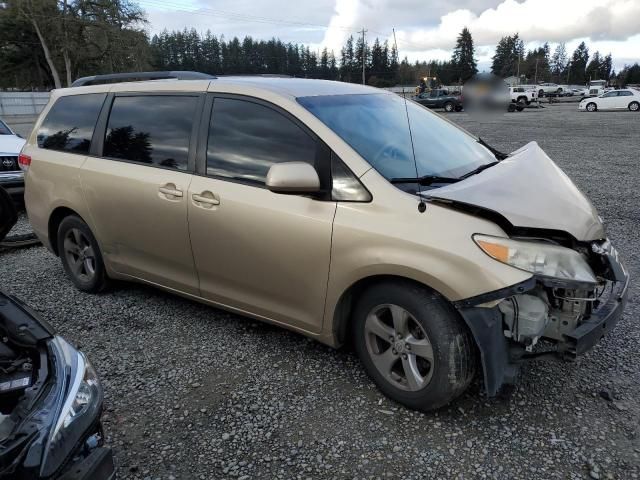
496, 153
479, 169
425, 180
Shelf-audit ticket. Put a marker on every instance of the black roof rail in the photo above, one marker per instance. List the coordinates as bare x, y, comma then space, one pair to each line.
135, 76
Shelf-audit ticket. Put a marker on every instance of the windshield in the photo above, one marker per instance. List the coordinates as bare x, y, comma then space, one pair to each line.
375, 125
4, 130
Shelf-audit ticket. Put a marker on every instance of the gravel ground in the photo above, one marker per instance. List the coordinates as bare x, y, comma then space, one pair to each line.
194, 392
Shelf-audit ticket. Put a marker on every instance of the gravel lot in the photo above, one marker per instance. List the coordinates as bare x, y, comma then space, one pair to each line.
194, 392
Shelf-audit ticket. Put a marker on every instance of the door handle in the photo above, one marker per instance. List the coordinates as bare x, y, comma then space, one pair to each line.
170, 189
206, 197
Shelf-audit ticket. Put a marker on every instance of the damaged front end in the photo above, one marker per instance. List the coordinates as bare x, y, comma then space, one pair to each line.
574, 298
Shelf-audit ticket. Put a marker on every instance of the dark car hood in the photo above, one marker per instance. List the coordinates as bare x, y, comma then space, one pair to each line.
530, 191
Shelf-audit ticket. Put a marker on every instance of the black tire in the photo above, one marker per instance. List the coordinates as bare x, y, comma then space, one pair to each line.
448, 107
591, 107
540, 93
91, 275
523, 101
453, 350
519, 107
458, 108
634, 107
511, 107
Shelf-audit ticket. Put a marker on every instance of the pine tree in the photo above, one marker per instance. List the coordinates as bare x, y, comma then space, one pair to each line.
578, 64
463, 60
559, 63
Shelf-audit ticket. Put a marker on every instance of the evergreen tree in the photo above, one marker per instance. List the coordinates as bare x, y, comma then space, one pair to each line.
578, 64
463, 60
559, 63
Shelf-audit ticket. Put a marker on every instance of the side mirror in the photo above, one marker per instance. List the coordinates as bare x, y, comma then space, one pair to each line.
293, 177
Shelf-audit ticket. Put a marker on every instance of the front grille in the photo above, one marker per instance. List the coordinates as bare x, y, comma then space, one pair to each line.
9, 164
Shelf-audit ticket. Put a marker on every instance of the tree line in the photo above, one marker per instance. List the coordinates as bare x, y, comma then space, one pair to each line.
48, 43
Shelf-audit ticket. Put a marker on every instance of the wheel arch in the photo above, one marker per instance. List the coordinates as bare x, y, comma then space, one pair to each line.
55, 219
341, 319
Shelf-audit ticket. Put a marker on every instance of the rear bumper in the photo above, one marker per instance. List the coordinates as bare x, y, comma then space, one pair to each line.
98, 465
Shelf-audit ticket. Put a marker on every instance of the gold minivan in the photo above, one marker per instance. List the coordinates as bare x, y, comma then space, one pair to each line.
339, 211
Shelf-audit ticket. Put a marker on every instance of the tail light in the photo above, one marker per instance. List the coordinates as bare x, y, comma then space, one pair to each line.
24, 161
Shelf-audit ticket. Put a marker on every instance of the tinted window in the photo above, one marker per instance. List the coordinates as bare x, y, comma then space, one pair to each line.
151, 129
375, 125
610, 94
246, 138
625, 93
70, 122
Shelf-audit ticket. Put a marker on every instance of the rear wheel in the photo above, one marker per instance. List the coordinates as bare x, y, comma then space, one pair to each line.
540, 93
80, 255
413, 345
448, 107
591, 107
634, 106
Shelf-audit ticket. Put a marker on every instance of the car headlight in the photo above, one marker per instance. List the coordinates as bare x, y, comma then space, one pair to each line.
539, 258
80, 404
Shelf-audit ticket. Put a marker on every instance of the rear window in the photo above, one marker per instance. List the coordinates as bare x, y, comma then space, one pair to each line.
4, 130
154, 129
70, 123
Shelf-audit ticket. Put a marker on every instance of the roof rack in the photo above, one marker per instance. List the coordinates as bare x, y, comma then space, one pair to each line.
135, 76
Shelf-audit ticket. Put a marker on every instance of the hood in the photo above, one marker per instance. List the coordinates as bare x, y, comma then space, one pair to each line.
530, 191
11, 144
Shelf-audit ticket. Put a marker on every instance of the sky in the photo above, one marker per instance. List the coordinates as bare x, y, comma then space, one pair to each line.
425, 29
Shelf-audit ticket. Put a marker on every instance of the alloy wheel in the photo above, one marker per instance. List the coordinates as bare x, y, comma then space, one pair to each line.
399, 347
79, 255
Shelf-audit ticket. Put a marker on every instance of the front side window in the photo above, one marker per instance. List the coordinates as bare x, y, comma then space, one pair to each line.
246, 138
153, 129
610, 94
70, 123
375, 126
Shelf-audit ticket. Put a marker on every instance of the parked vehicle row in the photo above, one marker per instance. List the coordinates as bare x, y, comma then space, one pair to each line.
336, 210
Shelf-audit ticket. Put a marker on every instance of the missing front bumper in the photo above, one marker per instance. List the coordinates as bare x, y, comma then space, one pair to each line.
501, 357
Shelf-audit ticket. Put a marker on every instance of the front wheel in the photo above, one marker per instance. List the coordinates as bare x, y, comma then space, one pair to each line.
448, 107
591, 107
80, 255
634, 106
413, 344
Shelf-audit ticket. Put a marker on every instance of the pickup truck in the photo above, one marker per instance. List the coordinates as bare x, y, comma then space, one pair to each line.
522, 95
440, 98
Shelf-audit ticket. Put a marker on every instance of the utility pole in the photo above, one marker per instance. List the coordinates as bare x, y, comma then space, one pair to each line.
364, 55
536, 76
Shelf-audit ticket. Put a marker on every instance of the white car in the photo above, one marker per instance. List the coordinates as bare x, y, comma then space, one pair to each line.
623, 99
11, 177
546, 88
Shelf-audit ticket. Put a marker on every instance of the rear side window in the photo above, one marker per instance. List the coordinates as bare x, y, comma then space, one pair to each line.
70, 123
625, 93
154, 129
246, 138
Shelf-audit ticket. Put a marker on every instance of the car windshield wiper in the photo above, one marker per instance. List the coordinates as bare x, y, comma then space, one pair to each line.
425, 180
479, 169
496, 153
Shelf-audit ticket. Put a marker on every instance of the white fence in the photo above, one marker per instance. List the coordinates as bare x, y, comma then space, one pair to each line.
22, 103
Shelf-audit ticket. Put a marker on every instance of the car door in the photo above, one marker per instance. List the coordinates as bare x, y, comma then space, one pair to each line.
624, 99
136, 185
608, 101
260, 252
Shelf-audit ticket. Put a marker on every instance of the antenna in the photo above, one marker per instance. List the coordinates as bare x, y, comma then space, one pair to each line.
421, 206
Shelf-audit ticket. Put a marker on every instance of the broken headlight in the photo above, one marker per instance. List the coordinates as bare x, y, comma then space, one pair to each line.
539, 258
79, 404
